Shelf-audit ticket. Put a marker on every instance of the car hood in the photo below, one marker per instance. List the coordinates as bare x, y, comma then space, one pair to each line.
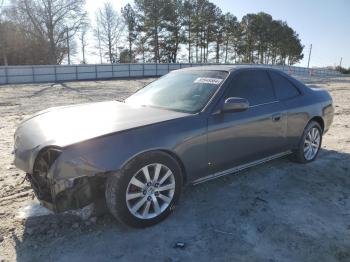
62, 126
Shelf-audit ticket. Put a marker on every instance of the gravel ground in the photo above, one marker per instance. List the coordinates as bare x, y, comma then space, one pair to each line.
280, 211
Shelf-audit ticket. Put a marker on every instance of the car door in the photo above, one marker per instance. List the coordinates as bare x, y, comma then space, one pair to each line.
235, 138
289, 96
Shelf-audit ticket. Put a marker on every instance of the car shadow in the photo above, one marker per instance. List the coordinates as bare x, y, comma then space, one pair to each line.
279, 211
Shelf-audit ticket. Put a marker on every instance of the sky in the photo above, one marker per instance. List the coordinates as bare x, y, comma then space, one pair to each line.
323, 23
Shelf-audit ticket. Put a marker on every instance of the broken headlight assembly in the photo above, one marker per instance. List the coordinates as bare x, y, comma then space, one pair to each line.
39, 180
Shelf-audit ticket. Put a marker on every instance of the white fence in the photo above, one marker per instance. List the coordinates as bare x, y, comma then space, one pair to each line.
57, 73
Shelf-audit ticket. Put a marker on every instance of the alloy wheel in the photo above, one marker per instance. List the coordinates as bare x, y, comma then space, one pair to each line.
312, 143
150, 191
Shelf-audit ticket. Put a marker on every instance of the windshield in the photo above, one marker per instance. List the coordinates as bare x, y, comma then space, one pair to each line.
185, 91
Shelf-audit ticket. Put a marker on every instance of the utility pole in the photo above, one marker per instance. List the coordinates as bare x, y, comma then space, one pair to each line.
308, 62
68, 46
341, 60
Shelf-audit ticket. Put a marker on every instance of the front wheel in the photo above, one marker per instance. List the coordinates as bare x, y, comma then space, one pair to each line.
310, 143
145, 191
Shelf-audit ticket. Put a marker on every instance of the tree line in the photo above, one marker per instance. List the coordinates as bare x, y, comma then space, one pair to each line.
343, 70
195, 31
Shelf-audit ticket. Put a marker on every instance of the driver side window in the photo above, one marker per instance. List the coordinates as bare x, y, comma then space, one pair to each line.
253, 85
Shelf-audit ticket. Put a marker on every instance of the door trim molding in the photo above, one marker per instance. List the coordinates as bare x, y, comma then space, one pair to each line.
239, 168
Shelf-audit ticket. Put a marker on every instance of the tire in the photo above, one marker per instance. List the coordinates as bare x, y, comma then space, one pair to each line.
300, 155
120, 188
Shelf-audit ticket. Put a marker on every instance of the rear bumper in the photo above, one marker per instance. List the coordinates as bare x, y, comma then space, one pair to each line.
81, 192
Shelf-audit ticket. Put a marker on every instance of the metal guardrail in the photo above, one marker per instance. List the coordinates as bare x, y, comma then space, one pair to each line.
59, 73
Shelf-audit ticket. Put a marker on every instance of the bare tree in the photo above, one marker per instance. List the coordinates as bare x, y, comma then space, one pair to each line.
99, 43
83, 39
50, 20
2, 33
109, 26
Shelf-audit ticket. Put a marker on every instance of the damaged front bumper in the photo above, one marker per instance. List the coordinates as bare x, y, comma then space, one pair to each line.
61, 194
68, 194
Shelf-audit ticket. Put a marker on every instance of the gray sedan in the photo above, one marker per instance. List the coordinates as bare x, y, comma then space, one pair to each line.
187, 127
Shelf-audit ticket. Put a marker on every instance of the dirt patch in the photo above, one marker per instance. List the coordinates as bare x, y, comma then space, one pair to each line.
280, 211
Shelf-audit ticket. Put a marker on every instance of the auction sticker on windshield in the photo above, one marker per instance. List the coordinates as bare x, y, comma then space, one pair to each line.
208, 80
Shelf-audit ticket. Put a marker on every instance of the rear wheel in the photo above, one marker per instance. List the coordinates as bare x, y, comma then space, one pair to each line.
145, 191
310, 143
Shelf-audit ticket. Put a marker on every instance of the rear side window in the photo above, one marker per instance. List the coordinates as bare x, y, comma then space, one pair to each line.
284, 88
253, 85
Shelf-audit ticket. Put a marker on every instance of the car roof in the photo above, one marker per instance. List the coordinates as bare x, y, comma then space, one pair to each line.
228, 68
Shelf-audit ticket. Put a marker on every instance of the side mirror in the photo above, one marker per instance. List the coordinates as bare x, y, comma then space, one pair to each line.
235, 104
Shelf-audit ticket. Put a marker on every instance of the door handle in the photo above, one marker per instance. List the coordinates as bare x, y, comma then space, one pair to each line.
276, 117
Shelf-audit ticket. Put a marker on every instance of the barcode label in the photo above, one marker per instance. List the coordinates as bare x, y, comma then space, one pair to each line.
208, 80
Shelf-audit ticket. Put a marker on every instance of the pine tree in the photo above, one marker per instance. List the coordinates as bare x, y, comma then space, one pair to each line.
130, 22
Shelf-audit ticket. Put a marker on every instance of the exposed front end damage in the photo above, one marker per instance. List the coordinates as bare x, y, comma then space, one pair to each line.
61, 194
67, 152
